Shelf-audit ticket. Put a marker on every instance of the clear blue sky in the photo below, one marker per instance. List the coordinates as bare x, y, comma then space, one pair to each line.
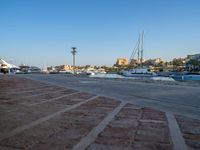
42, 32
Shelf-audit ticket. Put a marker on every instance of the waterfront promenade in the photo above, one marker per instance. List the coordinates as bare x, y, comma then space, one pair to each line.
66, 112
177, 97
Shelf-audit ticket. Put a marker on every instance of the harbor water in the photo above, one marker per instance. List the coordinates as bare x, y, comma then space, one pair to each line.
117, 76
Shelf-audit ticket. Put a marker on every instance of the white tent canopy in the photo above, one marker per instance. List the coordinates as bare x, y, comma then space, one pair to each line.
8, 65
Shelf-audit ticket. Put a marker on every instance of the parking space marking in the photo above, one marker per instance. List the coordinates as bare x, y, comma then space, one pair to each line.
176, 135
19, 90
53, 99
44, 101
31, 90
41, 120
33, 95
91, 137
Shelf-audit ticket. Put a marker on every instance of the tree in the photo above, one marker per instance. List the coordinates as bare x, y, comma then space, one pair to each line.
193, 65
194, 62
178, 64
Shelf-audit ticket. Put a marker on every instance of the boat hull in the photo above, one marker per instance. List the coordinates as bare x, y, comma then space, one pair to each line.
138, 72
186, 77
139, 75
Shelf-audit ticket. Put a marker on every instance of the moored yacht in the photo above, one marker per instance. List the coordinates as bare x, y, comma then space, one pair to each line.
140, 72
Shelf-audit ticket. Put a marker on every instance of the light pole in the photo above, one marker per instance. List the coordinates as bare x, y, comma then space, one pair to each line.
74, 53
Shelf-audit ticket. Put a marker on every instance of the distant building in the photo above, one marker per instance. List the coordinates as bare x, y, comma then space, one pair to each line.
121, 62
153, 62
60, 68
29, 69
194, 57
193, 63
51, 68
24, 68
158, 60
63, 68
134, 62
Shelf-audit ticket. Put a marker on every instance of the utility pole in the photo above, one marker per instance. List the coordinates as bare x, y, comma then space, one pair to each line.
74, 53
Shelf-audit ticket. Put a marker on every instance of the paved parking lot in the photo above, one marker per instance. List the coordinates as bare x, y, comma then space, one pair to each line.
39, 116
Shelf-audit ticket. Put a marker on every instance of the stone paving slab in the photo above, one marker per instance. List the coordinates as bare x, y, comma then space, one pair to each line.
14, 99
12, 120
49, 124
66, 128
10, 84
191, 131
127, 131
45, 93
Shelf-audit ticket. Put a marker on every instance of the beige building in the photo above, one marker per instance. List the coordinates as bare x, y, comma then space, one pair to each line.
121, 62
153, 62
194, 57
63, 67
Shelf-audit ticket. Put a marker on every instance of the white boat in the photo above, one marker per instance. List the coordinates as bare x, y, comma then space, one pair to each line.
100, 71
140, 72
33, 69
90, 73
66, 72
44, 71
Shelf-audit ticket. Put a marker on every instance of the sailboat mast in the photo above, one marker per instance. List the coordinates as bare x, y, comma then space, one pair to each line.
138, 49
142, 42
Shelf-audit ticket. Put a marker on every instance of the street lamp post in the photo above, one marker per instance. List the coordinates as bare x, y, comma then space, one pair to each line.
74, 53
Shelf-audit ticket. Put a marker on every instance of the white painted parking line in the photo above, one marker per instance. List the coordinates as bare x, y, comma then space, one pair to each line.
19, 90
31, 90
88, 82
176, 135
41, 120
44, 101
53, 99
33, 95
152, 121
90, 138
